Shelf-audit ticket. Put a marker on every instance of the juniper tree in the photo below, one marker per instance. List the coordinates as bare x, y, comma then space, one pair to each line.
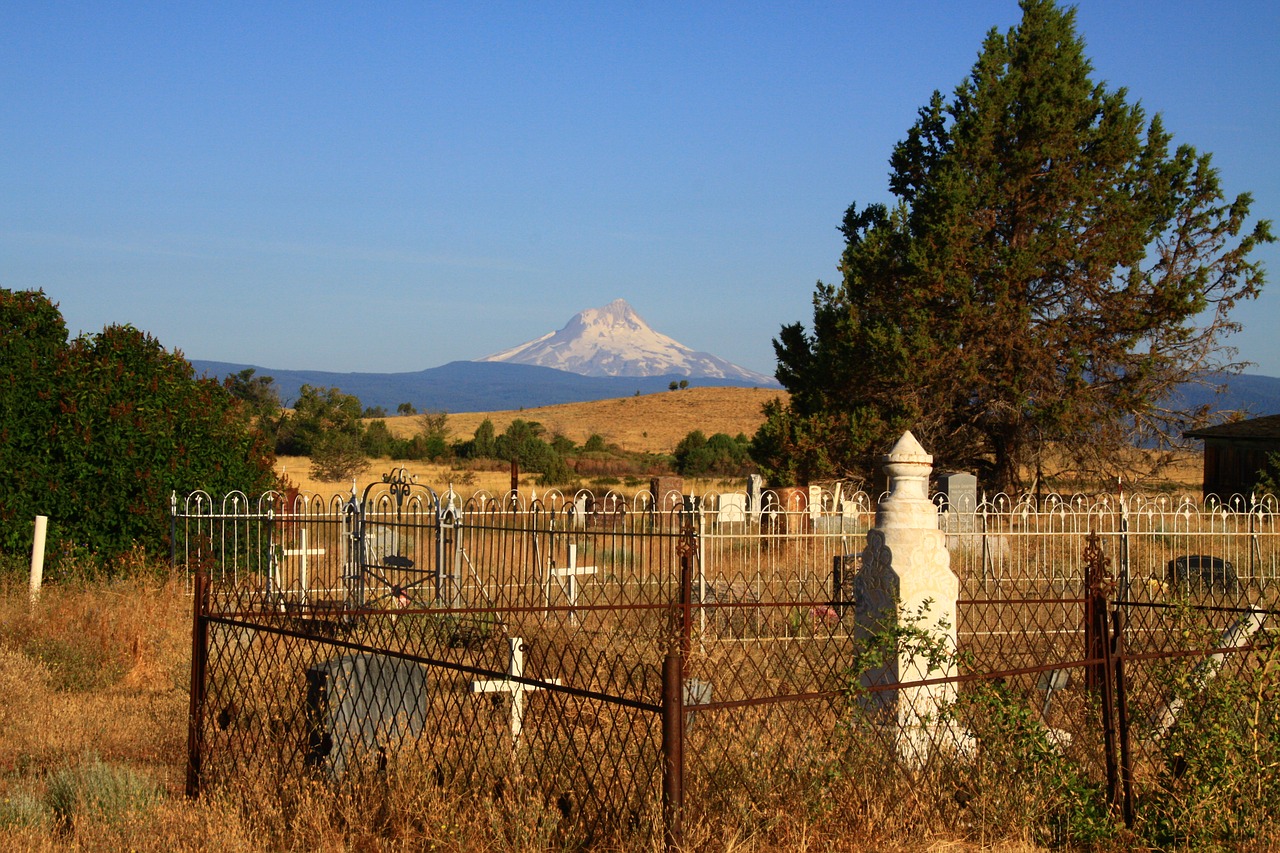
1051, 270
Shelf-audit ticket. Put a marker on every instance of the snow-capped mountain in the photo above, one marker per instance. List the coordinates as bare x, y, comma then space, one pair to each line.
615, 341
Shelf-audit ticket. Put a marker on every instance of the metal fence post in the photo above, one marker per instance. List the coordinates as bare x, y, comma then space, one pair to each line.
1108, 707
1095, 613
687, 548
199, 682
673, 747
1122, 712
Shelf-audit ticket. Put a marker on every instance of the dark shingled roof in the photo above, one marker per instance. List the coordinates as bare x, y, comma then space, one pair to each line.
1255, 428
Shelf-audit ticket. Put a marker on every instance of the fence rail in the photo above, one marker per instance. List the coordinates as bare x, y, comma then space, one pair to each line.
637, 661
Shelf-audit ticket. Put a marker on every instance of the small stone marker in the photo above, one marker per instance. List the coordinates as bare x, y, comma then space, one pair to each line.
517, 689
732, 509
697, 692
303, 551
380, 541
362, 705
582, 508
667, 492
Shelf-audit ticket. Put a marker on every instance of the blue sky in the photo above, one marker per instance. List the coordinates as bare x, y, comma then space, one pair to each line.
387, 187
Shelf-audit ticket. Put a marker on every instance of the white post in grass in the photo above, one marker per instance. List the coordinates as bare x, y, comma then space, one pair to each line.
37, 556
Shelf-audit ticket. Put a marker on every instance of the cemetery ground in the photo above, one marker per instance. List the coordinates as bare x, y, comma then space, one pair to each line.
93, 707
93, 713
94, 699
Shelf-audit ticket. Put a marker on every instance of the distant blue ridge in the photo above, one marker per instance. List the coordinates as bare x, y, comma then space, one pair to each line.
488, 386
469, 386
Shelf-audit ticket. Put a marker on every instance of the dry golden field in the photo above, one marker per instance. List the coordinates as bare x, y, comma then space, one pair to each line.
650, 423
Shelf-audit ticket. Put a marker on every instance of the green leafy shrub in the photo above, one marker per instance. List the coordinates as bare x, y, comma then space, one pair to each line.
1219, 783
98, 433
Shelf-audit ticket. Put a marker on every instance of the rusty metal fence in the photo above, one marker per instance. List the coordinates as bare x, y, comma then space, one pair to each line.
635, 663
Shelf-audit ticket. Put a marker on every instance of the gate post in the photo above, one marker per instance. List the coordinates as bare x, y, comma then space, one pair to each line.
199, 682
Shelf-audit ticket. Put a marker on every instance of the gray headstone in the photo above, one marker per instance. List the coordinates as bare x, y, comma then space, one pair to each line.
697, 692
961, 490
380, 541
362, 706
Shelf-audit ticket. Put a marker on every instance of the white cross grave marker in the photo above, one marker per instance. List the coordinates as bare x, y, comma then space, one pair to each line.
568, 576
517, 689
304, 552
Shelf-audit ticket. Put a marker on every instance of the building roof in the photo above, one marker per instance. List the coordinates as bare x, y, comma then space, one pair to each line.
1255, 429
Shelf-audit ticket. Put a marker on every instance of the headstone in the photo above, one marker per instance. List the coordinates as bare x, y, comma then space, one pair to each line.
303, 552
583, 506
791, 512
667, 493
360, 707
1237, 635
755, 490
815, 503
517, 689
961, 491
906, 578
844, 569
696, 692
732, 509
380, 540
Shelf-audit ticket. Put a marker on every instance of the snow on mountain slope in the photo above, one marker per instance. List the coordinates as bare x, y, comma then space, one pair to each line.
614, 341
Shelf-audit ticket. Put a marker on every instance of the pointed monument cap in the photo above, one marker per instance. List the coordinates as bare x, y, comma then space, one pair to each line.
909, 450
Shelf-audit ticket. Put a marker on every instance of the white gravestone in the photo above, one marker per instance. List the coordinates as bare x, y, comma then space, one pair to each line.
732, 509
755, 494
906, 581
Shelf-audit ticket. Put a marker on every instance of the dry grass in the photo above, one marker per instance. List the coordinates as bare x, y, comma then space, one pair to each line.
651, 423
93, 707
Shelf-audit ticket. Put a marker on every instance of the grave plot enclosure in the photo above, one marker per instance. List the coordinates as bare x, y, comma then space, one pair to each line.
626, 665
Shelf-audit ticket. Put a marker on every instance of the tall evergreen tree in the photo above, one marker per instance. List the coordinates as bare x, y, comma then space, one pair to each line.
1050, 273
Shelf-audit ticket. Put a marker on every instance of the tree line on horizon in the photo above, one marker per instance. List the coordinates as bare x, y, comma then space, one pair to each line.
340, 436
99, 433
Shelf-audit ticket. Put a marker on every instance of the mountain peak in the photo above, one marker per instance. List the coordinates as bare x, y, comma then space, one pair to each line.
613, 340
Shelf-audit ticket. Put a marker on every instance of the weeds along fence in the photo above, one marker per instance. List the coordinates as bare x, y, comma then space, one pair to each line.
623, 665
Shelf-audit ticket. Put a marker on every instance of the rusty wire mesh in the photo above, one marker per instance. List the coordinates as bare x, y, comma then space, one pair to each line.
592, 595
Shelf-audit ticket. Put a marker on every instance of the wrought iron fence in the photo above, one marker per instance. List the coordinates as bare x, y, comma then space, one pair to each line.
635, 661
